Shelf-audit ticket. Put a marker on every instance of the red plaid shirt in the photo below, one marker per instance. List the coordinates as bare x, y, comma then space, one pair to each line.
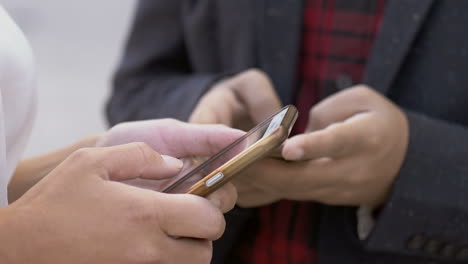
337, 39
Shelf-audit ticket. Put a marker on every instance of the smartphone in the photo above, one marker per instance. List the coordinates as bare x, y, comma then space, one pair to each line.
222, 167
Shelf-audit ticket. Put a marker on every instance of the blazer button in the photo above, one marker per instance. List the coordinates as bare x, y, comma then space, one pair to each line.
448, 251
462, 254
432, 246
417, 242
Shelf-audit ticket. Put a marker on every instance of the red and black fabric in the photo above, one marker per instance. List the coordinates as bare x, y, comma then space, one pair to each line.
419, 61
337, 39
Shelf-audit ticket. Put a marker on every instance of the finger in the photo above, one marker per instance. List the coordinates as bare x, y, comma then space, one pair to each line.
187, 250
283, 179
205, 114
340, 107
126, 162
255, 89
335, 141
224, 198
185, 215
265, 175
217, 107
198, 140
255, 198
176, 138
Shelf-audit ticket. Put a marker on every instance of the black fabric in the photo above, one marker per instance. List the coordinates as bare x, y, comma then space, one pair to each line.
178, 48
400, 27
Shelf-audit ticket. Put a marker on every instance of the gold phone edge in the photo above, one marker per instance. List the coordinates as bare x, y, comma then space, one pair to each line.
248, 156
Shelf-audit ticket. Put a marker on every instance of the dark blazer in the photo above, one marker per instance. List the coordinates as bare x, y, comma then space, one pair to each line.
177, 48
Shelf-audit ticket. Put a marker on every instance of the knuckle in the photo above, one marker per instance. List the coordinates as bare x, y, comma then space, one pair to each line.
255, 73
145, 150
317, 117
84, 155
315, 111
217, 223
361, 93
221, 89
141, 146
227, 195
362, 89
143, 214
138, 212
258, 77
146, 155
211, 215
170, 122
120, 126
337, 142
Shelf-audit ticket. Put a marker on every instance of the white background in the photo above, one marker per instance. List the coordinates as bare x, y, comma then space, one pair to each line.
77, 45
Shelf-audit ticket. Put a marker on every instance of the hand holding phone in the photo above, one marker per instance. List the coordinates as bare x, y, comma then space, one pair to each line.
222, 167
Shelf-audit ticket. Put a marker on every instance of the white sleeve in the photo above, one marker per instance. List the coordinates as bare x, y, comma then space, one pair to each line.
17, 100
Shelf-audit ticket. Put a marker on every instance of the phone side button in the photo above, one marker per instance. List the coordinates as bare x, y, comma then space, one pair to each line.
215, 179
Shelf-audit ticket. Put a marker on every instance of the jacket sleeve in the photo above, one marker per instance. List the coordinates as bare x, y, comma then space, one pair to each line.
154, 79
427, 213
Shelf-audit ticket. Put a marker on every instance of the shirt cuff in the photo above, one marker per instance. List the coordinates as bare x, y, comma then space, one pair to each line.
365, 221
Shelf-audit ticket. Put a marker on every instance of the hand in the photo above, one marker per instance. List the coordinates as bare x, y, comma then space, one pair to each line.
173, 138
355, 145
81, 213
169, 137
241, 101
352, 151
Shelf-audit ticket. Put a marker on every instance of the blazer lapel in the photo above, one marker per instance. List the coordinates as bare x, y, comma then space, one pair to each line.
400, 26
279, 27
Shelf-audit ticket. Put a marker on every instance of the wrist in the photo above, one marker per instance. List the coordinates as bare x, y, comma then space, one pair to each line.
32, 170
13, 236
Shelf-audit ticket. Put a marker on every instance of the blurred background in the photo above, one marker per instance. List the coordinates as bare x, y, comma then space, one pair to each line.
77, 45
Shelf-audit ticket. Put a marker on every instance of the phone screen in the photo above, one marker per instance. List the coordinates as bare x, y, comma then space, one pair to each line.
190, 177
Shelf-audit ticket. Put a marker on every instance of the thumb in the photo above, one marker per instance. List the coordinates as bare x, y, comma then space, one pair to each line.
130, 161
339, 107
255, 89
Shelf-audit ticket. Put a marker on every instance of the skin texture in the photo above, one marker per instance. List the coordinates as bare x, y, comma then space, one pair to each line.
30, 171
82, 209
173, 138
167, 136
350, 154
231, 102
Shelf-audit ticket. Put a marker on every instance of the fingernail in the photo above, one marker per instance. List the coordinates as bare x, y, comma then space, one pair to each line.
171, 161
294, 154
